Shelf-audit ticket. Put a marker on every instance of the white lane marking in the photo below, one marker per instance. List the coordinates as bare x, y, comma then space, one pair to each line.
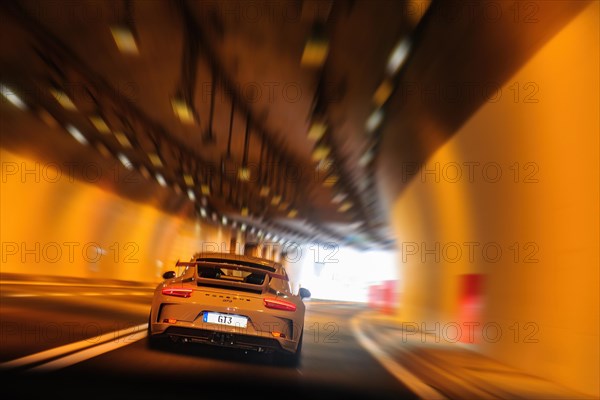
116, 293
68, 348
419, 387
92, 352
91, 294
21, 295
59, 294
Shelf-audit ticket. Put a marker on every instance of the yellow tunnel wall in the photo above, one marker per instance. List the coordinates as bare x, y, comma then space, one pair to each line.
542, 213
55, 225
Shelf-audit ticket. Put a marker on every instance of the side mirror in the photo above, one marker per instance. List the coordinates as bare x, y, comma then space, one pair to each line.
169, 275
304, 293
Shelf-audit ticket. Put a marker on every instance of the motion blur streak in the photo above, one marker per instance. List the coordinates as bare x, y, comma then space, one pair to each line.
427, 169
139, 332
62, 350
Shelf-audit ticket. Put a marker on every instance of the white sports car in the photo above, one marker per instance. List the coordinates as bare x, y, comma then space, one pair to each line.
230, 300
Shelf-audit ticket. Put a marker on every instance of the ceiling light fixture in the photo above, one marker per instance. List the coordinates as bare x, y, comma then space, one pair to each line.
76, 134
244, 171
161, 180
398, 56
125, 161
183, 111
331, 180
320, 152
316, 48
244, 174
64, 100
345, 206
324, 165
189, 180
123, 139
367, 157
276, 200
155, 160
383, 92
418, 9
338, 198
264, 191
124, 39
317, 130
12, 97
191, 195
99, 124
374, 120
262, 170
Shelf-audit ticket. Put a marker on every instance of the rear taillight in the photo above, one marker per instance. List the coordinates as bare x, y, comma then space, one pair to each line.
177, 292
279, 304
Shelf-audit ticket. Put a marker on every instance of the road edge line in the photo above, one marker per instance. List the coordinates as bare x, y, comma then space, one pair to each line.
63, 350
403, 375
91, 352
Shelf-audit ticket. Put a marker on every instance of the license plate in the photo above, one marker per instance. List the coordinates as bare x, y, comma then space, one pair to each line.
225, 319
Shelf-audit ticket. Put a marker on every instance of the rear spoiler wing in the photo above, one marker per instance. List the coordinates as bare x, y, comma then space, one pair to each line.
211, 264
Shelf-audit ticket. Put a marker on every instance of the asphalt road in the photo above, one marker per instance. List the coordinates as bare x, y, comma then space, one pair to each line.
90, 342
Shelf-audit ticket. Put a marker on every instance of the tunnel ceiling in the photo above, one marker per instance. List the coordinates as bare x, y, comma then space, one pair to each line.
220, 99
273, 115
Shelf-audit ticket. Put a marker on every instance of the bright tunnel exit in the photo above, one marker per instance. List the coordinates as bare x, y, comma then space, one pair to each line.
345, 273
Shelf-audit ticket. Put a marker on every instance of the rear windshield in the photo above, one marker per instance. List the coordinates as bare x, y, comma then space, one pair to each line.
230, 274
238, 262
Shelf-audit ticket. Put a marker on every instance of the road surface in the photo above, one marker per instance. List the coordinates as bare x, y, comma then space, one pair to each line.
89, 341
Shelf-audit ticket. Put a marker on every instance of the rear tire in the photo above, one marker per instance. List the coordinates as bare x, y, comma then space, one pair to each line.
154, 341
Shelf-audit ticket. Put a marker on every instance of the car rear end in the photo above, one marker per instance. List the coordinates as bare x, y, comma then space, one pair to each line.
228, 304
